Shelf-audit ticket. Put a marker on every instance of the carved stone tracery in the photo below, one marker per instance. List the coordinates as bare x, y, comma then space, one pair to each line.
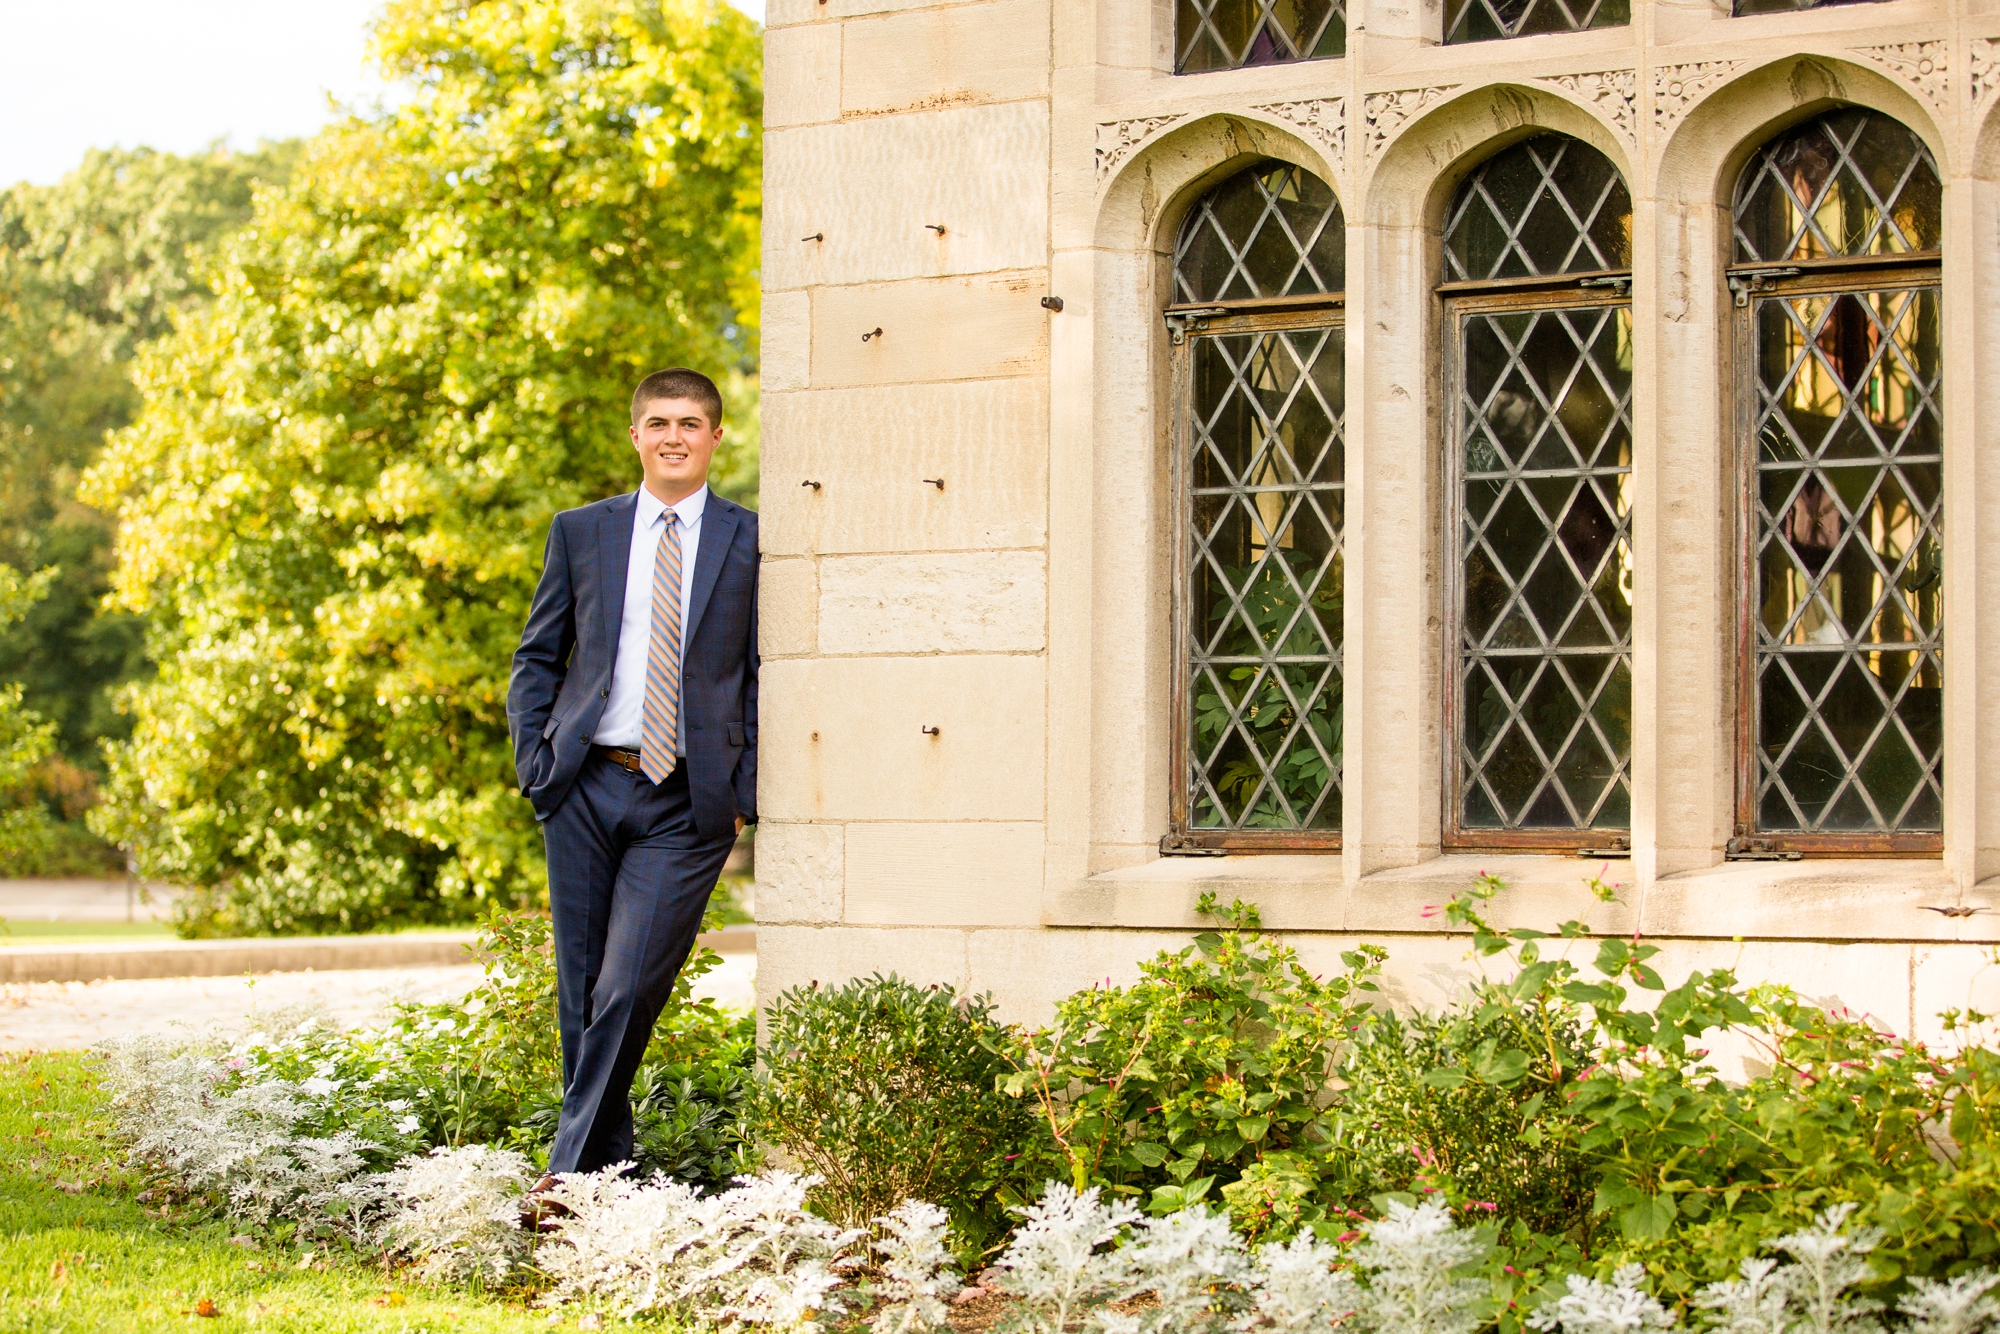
1117, 139
1919, 64
1387, 113
1613, 91
1324, 120
1985, 70
1676, 88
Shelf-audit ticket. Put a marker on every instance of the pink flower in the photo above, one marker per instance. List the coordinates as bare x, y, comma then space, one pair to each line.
1430, 910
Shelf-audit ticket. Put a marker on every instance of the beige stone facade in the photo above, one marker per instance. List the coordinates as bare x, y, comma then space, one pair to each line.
968, 669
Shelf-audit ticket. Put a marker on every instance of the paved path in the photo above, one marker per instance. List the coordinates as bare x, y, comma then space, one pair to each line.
83, 901
63, 1016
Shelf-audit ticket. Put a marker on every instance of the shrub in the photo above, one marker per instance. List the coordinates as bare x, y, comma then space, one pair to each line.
458, 1212
749, 1255
887, 1091
1444, 1100
1207, 1077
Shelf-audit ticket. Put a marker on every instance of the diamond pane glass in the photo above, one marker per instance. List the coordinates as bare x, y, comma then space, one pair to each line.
1272, 230
1265, 580
1550, 204
1491, 20
1850, 182
1849, 652
1545, 623
1229, 34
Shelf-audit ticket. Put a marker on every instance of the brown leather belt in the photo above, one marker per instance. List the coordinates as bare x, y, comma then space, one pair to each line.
618, 755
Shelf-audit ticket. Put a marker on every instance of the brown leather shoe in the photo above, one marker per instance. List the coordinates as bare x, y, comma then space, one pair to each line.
538, 1212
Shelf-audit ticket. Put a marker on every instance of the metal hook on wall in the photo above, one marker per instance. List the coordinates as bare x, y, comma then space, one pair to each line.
937, 482
816, 236
877, 333
813, 485
937, 227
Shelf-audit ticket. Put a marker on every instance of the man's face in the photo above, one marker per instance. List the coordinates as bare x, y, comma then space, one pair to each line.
675, 441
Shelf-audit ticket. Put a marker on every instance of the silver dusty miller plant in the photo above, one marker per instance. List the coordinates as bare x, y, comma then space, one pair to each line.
1807, 1296
1592, 1306
458, 1212
1061, 1263
1294, 1289
1411, 1258
1185, 1262
917, 1276
748, 1256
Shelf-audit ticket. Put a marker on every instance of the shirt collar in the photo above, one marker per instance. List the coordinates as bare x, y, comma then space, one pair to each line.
689, 509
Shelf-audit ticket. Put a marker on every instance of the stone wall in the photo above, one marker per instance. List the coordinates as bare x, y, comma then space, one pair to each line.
966, 686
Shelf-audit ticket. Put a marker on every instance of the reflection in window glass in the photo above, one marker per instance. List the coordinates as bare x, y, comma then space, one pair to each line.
1273, 230
1848, 183
1744, 7
1262, 573
1849, 626
1543, 430
1847, 629
1550, 204
1265, 588
1228, 34
1492, 20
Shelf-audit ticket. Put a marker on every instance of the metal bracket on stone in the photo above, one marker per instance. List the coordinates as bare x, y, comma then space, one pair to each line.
1741, 849
1618, 849
1620, 283
1744, 281
1181, 323
1174, 847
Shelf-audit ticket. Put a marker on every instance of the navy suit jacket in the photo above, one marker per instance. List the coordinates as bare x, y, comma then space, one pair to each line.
562, 671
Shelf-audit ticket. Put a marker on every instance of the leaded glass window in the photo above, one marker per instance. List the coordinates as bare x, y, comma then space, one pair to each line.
1837, 230
1260, 471
1493, 20
1229, 34
1537, 248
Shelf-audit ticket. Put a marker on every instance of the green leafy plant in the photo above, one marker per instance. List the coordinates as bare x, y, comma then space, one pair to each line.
887, 1090
1207, 1078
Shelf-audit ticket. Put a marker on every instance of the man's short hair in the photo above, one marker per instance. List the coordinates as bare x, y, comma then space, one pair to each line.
679, 382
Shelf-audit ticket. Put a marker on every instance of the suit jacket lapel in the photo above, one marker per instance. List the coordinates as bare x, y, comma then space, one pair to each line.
614, 548
714, 546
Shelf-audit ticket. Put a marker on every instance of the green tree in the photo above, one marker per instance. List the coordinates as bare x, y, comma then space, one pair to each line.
334, 500
24, 739
89, 268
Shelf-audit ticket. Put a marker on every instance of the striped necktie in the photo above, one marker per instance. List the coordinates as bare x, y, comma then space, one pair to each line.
661, 722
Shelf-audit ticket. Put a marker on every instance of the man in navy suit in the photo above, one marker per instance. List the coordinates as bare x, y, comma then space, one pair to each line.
633, 709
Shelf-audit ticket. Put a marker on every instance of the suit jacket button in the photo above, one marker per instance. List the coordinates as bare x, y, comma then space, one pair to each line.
586, 738
604, 693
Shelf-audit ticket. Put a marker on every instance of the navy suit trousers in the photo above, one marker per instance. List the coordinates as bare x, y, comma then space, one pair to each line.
629, 879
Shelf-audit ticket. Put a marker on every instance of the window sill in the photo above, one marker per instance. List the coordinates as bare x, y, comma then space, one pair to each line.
1832, 900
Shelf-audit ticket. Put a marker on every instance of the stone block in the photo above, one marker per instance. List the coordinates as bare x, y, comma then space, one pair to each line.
952, 602
958, 56
787, 597
843, 739
785, 13
792, 956
985, 327
871, 449
871, 187
800, 870
944, 874
1028, 971
1951, 977
786, 342
801, 75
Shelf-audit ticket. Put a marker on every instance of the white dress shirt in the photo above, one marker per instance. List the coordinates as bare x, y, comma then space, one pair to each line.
624, 712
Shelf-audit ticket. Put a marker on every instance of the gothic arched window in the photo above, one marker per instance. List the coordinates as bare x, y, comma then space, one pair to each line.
1229, 34
1538, 252
1494, 20
1259, 475
1835, 278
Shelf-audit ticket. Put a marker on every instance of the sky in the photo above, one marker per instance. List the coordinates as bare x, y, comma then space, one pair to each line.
175, 74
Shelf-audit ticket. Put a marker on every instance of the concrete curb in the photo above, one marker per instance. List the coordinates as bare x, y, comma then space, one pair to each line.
228, 958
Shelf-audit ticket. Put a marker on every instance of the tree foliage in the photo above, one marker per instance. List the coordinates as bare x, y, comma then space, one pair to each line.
333, 500
25, 740
89, 267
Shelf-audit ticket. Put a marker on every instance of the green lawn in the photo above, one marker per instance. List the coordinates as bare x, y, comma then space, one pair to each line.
78, 1253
